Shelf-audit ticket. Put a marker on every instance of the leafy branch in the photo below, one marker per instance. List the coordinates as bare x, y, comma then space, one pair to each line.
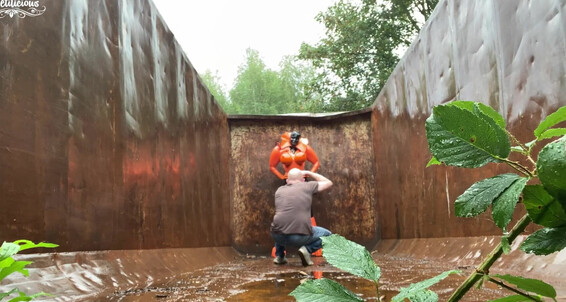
356, 260
471, 135
9, 266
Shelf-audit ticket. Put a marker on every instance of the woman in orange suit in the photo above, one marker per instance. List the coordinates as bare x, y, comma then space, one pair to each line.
292, 152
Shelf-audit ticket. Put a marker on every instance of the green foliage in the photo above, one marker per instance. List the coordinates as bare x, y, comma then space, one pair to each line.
212, 82
543, 209
515, 298
7, 250
344, 71
361, 47
350, 256
543, 130
480, 108
530, 285
27, 244
260, 90
465, 138
356, 260
545, 241
420, 292
504, 206
323, 290
481, 195
551, 168
433, 161
471, 135
8, 266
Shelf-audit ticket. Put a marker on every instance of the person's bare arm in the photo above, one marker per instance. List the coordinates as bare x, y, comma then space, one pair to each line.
323, 182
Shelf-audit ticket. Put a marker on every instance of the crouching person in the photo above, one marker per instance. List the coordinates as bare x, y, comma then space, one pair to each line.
291, 224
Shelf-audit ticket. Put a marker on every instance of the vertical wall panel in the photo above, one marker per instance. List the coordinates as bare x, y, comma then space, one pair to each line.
33, 123
506, 54
106, 151
341, 143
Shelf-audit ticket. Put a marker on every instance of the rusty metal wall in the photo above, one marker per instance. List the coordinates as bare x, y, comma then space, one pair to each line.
108, 137
343, 145
508, 54
109, 140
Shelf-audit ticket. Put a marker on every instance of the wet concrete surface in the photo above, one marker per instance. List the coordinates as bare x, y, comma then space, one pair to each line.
258, 279
224, 274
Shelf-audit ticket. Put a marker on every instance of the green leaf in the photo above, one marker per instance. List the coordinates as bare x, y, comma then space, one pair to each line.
490, 114
551, 168
433, 161
550, 133
515, 298
476, 199
419, 291
8, 266
458, 137
504, 205
4, 295
26, 244
21, 298
6, 262
480, 108
41, 294
545, 241
24, 297
531, 285
350, 256
424, 296
550, 121
505, 244
322, 290
542, 208
8, 249
17, 266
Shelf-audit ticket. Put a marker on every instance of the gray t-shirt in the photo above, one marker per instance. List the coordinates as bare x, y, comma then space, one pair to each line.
293, 208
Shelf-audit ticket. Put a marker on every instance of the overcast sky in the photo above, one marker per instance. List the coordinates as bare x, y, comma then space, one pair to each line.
216, 33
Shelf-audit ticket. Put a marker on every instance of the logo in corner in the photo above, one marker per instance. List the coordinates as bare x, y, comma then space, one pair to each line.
20, 8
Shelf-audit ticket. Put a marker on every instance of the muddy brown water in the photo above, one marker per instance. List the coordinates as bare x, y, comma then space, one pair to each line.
258, 279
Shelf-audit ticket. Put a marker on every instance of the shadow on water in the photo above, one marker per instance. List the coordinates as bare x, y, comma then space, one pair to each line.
278, 286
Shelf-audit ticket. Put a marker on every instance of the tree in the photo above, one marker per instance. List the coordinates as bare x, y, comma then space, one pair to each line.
253, 91
296, 78
360, 50
212, 82
260, 90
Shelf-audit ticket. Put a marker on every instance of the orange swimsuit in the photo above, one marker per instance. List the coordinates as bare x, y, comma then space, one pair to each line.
282, 153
